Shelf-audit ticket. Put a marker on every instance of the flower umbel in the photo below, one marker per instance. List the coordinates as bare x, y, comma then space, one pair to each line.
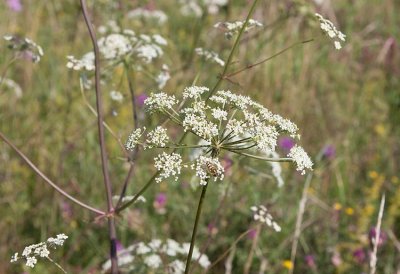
41, 250
261, 215
227, 122
336, 35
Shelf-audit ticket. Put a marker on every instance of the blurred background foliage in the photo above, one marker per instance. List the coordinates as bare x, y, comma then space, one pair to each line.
346, 104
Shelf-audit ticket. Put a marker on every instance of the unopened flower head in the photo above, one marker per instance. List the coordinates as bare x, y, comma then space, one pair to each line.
329, 28
232, 28
24, 48
261, 214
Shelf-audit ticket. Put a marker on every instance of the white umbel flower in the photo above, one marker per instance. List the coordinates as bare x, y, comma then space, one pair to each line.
210, 56
116, 96
301, 158
85, 63
168, 166
158, 137
261, 214
207, 168
194, 92
153, 261
329, 28
133, 138
232, 28
39, 250
159, 102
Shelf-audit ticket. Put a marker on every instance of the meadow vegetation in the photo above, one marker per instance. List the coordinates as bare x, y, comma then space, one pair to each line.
345, 103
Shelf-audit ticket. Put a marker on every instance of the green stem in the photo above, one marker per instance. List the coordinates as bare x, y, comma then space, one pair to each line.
144, 188
235, 46
56, 264
262, 158
196, 223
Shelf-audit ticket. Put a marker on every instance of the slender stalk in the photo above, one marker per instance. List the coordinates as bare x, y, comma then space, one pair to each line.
234, 48
3, 74
227, 64
299, 220
133, 156
269, 58
104, 123
250, 257
261, 158
196, 223
145, 187
103, 151
241, 236
137, 195
375, 242
46, 179
56, 264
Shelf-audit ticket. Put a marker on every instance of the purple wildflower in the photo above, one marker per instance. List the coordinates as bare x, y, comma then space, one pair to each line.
310, 261
161, 200
14, 5
286, 143
140, 99
252, 233
372, 236
359, 255
329, 151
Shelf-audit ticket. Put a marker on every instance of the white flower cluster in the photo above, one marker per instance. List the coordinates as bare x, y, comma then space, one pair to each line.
261, 215
85, 63
111, 26
210, 55
116, 96
207, 167
232, 28
155, 15
163, 77
39, 250
195, 7
229, 122
116, 46
133, 138
160, 102
301, 158
329, 28
158, 254
168, 166
157, 138
11, 85
25, 48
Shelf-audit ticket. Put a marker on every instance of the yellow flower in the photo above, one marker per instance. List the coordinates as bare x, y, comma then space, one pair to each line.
380, 129
287, 264
373, 174
337, 206
349, 211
